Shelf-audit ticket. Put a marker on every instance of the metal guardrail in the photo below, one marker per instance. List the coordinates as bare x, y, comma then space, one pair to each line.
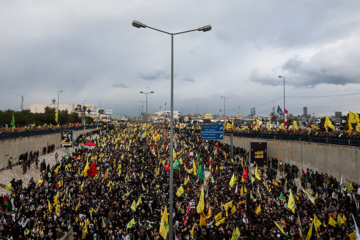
10, 135
303, 138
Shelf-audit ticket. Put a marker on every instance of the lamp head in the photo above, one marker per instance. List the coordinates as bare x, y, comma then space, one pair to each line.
138, 24
141, 92
152, 92
281, 77
205, 28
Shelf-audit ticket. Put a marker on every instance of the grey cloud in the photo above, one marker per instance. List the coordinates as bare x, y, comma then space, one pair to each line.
272, 80
189, 79
119, 85
156, 74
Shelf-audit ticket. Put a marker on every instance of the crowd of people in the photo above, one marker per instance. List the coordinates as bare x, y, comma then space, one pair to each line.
119, 189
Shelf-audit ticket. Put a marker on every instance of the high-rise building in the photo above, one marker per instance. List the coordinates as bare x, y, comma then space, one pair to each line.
305, 111
338, 114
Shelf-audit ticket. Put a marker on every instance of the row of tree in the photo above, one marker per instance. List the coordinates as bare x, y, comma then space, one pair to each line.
26, 118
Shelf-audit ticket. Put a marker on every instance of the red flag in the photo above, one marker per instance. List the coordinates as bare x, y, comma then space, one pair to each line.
286, 111
185, 220
6, 203
188, 208
92, 170
245, 174
217, 150
210, 163
303, 172
167, 167
286, 124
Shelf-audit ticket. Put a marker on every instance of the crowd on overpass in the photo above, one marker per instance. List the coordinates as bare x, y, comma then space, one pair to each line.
119, 189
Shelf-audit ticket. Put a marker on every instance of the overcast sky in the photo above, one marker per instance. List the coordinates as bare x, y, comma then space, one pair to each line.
90, 51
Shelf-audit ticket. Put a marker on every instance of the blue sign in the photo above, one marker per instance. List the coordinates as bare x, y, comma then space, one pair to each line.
212, 132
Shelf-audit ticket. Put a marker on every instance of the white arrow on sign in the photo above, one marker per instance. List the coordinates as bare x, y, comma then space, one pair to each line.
221, 135
221, 128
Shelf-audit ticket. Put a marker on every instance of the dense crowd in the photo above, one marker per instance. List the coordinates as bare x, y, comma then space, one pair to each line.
131, 183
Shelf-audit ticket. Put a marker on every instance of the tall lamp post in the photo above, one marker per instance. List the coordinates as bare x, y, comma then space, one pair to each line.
224, 106
203, 29
83, 118
197, 109
58, 122
146, 116
284, 96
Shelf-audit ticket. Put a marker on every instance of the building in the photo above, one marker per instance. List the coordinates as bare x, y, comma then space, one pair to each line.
40, 108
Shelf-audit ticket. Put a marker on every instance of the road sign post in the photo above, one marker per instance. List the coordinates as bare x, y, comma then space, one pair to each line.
212, 132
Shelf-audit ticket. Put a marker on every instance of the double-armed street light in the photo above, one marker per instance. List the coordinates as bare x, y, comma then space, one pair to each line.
206, 28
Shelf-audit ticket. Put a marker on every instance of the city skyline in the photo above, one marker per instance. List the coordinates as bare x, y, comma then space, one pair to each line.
95, 54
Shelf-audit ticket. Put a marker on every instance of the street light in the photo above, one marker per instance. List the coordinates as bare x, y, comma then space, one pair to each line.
58, 122
197, 109
146, 116
206, 28
84, 117
224, 106
284, 96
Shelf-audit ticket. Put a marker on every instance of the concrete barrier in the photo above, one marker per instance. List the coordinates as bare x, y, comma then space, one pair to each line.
16, 146
335, 160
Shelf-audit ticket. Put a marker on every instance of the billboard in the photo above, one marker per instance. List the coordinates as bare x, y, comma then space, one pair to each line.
66, 138
91, 107
80, 108
258, 153
108, 112
208, 115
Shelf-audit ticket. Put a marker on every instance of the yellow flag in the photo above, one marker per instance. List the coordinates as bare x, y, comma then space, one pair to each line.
291, 202
57, 169
186, 181
332, 222
180, 191
86, 168
8, 187
258, 210
218, 217
77, 206
340, 220
228, 205
317, 221
295, 125
280, 228
49, 206
139, 201
194, 167
131, 223
103, 222
275, 183
267, 187
352, 236
201, 204
208, 215
308, 237
192, 230
328, 124
133, 206
236, 234
232, 180
353, 117
233, 210
257, 176
203, 220
40, 181
351, 188
164, 224
222, 221
241, 191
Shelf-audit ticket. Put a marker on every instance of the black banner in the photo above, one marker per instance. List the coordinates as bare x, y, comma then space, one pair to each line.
258, 153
